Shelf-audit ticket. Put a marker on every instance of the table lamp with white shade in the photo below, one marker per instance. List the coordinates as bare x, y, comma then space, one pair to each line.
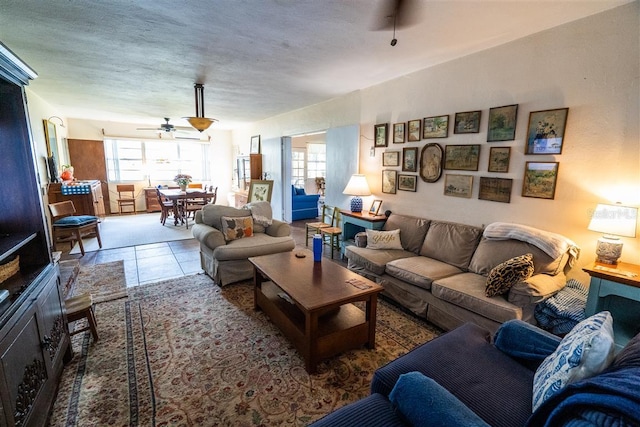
614, 221
356, 187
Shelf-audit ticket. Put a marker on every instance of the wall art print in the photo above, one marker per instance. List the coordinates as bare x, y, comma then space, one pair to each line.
410, 159
381, 135
415, 130
545, 134
435, 127
499, 159
398, 133
462, 157
431, 162
389, 179
407, 182
458, 185
391, 158
540, 180
495, 189
467, 122
502, 123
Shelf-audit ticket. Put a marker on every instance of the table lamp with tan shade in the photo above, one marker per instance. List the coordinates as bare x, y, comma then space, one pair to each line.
614, 221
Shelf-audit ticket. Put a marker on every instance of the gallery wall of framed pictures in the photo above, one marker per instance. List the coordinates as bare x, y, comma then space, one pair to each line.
432, 160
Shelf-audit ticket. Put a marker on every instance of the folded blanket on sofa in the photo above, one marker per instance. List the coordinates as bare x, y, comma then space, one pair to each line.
611, 398
552, 244
561, 312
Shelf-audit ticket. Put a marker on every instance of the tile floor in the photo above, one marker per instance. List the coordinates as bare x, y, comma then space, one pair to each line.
158, 261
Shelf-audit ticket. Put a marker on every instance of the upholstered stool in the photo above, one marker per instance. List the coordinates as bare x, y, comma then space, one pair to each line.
80, 307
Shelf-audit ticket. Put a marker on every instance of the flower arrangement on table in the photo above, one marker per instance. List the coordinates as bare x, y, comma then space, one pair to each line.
182, 180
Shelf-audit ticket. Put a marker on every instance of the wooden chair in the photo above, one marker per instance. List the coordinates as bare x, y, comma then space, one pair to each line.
70, 228
166, 207
326, 220
331, 235
197, 199
126, 197
81, 307
194, 185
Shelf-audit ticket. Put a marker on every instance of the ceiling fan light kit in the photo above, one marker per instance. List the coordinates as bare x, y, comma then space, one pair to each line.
200, 122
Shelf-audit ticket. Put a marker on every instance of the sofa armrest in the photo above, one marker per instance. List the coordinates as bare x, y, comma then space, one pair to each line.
207, 235
361, 239
278, 229
524, 342
536, 289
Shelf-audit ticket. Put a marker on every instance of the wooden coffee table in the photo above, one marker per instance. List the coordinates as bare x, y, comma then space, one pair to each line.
311, 304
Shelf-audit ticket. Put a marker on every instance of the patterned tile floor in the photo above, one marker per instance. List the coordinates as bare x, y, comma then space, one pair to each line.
158, 261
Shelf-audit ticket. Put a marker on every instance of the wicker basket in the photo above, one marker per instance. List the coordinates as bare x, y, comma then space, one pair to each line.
9, 269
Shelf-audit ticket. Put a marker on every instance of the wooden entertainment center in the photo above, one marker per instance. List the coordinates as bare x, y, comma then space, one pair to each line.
34, 337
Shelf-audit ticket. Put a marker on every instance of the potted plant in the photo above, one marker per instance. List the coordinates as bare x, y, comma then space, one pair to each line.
182, 180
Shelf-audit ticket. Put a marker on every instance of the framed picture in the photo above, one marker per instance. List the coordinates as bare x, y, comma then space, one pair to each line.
381, 137
410, 159
467, 122
407, 182
389, 178
255, 144
398, 133
431, 162
545, 134
391, 158
502, 123
435, 127
462, 157
375, 207
260, 191
495, 189
499, 159
458, 185
51, 138
414, 130
540, 180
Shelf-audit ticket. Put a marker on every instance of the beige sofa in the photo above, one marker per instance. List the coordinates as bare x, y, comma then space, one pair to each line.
226, 261
441, 271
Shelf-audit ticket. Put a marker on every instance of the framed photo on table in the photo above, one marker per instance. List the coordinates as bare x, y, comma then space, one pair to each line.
255, 144
375, 207
545, 134
260, 191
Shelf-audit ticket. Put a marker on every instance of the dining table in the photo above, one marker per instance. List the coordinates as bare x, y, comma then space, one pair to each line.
177, 195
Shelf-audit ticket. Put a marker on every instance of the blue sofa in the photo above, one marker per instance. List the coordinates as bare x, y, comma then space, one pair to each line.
303, 206
466, 378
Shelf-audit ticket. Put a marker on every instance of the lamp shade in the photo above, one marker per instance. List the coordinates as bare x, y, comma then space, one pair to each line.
615, 220
356, 187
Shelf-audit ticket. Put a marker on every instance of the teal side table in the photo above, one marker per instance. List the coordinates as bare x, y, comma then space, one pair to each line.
355, 222
616, 288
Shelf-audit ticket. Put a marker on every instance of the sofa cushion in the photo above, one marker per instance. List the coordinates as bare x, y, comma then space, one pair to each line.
262, 215
258, 244
383, 239
412, 230
466, 290
420, 271
374, 260
629, 356
585, 351
492, 252
237, 227
212, 214
371, 411
535, 289
503, 276
451, 243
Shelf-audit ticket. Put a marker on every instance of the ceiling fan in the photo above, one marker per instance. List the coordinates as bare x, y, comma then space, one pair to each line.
167, 127
395, 14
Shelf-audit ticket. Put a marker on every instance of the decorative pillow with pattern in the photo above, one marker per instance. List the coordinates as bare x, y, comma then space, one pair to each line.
383, 239
503, 276
584, 352
237, 227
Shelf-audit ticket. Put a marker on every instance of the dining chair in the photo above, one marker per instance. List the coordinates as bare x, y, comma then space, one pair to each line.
194, 185
213, 194
326, 220
195, 202
331, 235
69, 227
81, 307
126, 197
166, 207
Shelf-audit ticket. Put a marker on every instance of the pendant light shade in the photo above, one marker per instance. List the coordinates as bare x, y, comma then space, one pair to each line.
200, 122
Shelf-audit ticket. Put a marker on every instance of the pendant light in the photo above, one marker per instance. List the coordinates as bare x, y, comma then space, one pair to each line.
200, 122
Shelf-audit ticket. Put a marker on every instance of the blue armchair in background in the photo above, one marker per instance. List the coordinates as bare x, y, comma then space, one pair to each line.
303, 206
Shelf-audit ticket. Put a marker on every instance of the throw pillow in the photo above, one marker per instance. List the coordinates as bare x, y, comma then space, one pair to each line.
383, 239
503, 276
262, 213
237, 227
585, 351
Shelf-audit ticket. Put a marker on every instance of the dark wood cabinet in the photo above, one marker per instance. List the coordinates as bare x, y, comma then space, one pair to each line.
33, 330
90, 203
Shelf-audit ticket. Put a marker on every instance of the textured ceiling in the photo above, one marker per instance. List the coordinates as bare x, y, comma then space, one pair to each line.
137, 61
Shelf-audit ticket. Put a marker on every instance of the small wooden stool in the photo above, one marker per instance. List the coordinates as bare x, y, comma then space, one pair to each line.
81, 307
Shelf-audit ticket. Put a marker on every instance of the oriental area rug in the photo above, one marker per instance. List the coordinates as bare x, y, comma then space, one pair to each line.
185, 352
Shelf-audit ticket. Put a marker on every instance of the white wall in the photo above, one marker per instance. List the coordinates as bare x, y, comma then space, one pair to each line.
590, 66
